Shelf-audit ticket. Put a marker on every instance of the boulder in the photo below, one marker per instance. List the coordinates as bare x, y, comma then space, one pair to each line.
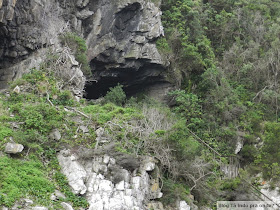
16, 89
66, 206
39, 208
13, 148
182, 205
55, 135
73, 170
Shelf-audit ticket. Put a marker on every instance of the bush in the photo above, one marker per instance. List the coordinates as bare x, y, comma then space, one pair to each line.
116, 95
19, 178
78, 45
174, 191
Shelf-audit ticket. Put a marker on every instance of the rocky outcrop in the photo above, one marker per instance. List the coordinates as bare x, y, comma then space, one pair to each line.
120, 36
108, 185
122, 46
26, 27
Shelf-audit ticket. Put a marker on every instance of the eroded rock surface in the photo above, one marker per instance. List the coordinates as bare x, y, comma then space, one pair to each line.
120, 35
107, 185
122, 46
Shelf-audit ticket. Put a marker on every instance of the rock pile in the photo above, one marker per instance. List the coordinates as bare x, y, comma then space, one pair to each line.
107, 185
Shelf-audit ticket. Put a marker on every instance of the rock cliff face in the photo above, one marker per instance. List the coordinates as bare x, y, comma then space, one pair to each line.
26, 29
121, 40
108, 185
120, 36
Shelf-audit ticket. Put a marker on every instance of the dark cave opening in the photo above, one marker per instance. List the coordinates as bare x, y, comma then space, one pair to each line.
95, 90
135, 78
133, 83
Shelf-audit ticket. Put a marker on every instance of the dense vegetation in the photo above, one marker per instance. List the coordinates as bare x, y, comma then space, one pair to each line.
225, 60
29, 117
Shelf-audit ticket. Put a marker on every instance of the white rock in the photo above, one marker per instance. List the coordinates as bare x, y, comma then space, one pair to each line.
119, 195
128, 192
92, 185
106, 186
12, 148
126, 185
55, 135
112, 161
66, 206
27, 202
120, 185
99, 131
73, 157
100, 176
84, 129
183, 206
106, 159
74, 172
84, 14
116, 204
95, 198
149, 164
59, 194
96, 206
136, 181
82, 3
53, 197
96, 166
16, 89
39, 208
77, 98
128, 201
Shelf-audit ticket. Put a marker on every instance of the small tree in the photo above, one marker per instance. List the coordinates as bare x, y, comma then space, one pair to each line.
116, 95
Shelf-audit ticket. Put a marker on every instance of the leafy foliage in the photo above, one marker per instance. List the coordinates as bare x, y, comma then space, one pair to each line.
116, 95
19, 178
78, 45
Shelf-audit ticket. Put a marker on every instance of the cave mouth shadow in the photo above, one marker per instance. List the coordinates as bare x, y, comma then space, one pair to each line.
94, 90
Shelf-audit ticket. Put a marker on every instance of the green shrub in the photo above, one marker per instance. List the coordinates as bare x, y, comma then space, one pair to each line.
4, 132
163, 46
41, 117
230, 184
78, 45
174, 191
184, 144
20, 178
116, 95
64, 98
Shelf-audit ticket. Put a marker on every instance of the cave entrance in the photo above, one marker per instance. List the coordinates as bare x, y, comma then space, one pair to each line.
95, 90
134, 80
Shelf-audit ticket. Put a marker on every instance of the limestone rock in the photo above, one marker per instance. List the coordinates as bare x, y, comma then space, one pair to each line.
182, 205
84, 129
55, 135
59, 194
16, 89
53, 197
82, 3
84, 14
74, 172
149, 164
107, 185
12, 148
66, 206
155, 206
39, 208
